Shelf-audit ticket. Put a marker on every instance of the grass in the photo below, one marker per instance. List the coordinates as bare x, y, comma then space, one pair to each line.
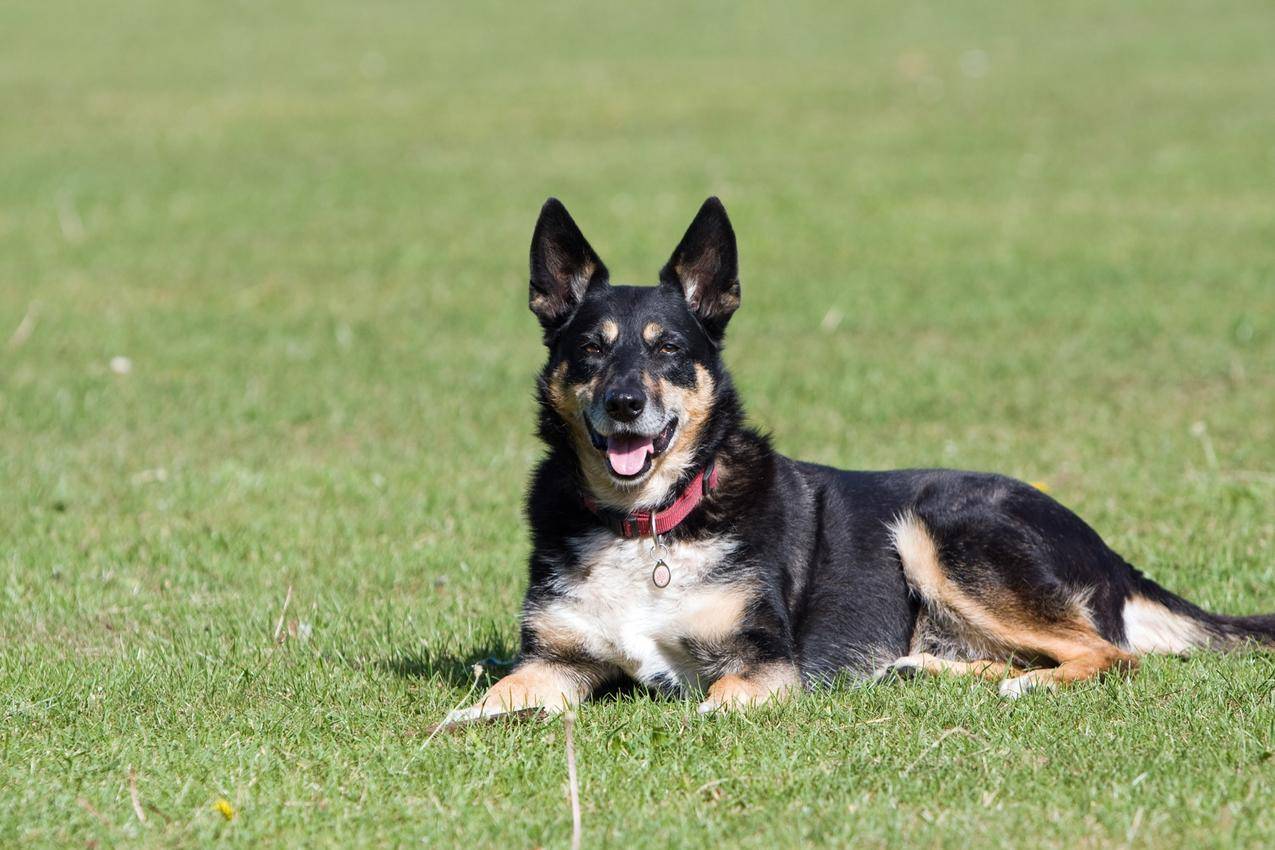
1034, 238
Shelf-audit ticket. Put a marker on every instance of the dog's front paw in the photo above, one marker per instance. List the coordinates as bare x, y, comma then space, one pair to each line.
533, 688
466, 715
718, 703
485, 711
730, 693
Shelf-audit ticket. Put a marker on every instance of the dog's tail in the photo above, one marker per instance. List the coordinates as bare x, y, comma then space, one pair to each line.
1157, 620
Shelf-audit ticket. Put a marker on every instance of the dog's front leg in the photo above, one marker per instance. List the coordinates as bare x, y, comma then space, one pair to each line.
753, 686
534, 683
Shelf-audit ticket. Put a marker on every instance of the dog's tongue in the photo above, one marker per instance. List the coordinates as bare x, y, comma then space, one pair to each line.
628, 452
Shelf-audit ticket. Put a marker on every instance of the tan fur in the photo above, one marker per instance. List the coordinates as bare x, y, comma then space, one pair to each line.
982, 669
554, 635
540, 302
1001, 623
695, 404
719, 613
610, 331
1077, 669
543, 302
560, 396
768, 682
652, 332
535, 684
570, 400
700, 271
692, 406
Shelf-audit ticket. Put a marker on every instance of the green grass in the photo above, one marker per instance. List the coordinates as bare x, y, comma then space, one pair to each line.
1034, 238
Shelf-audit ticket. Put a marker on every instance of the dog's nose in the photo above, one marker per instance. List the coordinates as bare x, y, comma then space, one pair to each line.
624, 404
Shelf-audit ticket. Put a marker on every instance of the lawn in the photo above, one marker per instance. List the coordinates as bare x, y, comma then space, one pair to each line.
264, 337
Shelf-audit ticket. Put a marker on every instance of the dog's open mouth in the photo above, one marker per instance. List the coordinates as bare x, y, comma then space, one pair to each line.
630, 455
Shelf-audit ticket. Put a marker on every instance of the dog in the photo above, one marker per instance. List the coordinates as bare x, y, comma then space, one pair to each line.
673, 546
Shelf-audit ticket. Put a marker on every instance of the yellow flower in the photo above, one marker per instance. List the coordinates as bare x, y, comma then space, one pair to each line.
227, 810
1041, 486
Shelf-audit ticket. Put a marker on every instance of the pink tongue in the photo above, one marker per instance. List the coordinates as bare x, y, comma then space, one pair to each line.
627, 453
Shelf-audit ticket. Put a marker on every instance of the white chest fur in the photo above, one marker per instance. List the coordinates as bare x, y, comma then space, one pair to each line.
615, 611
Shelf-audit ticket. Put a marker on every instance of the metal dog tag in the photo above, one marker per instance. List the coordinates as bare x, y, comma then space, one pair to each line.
661, 575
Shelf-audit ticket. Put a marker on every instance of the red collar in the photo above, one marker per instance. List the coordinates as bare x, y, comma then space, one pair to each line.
640, 524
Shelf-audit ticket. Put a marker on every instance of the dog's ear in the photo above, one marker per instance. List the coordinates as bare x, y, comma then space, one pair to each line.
563, 266
705, 268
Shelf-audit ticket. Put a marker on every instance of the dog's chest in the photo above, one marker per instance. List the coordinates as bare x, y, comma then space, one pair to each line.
612, 605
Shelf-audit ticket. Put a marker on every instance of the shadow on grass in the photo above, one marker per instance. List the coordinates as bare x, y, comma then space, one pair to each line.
455, 666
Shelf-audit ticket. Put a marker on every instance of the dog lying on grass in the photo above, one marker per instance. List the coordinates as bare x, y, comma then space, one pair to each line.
674, 546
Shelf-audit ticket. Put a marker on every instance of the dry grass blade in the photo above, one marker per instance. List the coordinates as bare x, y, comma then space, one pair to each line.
573, 786
92, 810
135, 795
931, 748
278, 629
438, 727
24, 330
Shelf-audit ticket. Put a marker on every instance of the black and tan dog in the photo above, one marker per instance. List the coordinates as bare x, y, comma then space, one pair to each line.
673, 546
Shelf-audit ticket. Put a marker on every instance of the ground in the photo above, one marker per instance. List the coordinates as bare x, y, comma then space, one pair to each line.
263, 326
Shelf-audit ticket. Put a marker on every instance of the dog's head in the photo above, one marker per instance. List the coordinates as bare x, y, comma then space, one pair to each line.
634, 384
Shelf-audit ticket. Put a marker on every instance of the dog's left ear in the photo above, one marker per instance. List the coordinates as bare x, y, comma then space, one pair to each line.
705, 268
563, 266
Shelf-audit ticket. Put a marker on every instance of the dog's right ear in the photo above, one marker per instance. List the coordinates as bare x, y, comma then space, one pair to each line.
563, 266
705, 268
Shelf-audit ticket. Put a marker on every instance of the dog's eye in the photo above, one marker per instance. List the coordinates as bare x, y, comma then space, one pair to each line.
591, 348
668, 348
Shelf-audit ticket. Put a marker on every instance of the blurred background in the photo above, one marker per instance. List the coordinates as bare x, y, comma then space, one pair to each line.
263, 292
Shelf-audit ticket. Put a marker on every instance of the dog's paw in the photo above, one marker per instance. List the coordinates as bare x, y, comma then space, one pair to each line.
907, 667
465, 715
715, 704
1020, 685
485, 712
731, 692
720, 703
728, 695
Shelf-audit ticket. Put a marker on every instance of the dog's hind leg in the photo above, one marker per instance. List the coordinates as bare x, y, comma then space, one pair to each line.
1085, 666
924, 663
1012, 606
